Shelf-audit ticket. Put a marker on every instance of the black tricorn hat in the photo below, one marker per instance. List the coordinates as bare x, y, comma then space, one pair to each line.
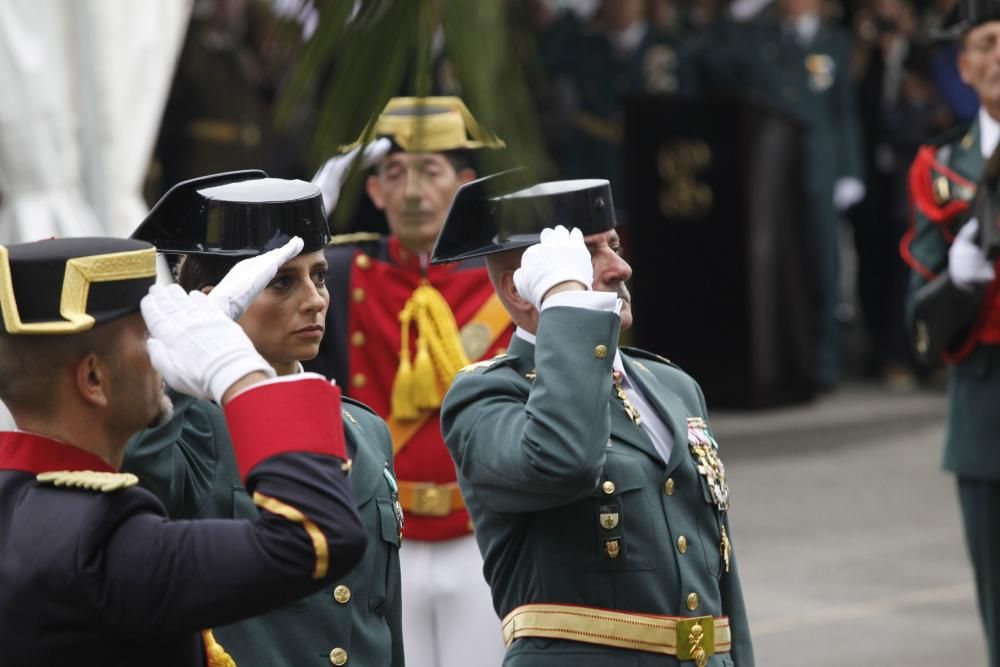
506, 211
238, 213
65, 286
965, 15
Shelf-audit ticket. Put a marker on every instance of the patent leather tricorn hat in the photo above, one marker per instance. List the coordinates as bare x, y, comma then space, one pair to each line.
66, 286
505, 212
238, 213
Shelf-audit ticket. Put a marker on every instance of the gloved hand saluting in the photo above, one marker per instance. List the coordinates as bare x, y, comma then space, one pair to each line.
197, 349
967, 264
234, 293
330, 176
559, 256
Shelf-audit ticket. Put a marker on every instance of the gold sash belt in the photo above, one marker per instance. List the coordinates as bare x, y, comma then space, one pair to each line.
689, 638
428, 499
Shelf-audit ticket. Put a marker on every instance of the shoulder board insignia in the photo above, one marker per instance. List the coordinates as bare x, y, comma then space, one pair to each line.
485, 363
645, 354
347, 400
349, 417
105, 482
354, 237
642, 368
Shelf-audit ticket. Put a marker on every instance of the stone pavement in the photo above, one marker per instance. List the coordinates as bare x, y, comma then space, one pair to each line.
848, 533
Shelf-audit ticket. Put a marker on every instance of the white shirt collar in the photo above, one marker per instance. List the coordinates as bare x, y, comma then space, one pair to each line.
989, 132
525, 335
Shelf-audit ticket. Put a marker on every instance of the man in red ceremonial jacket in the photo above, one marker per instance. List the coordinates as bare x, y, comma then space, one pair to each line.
398, 330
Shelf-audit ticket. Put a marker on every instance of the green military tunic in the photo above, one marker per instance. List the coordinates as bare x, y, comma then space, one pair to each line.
971, 450
571, 501
188, 463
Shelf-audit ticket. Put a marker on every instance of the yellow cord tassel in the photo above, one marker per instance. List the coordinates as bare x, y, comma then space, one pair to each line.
217, 656
403, 405
439, 357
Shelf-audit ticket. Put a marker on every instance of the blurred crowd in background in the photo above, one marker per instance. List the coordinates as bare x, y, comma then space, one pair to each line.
891, 85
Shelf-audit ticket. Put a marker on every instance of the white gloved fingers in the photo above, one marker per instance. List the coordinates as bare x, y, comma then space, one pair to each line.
159, 357
967, 264
248, 278
559, 256
968, 231
159, 310
375, 151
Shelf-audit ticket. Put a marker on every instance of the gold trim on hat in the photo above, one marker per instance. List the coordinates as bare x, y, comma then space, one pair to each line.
80, 273
440, 124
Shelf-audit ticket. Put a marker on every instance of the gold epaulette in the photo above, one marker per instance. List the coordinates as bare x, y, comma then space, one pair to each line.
485, 363
105, 482
354, 237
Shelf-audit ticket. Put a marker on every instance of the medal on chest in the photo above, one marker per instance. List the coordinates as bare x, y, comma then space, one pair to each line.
705, 451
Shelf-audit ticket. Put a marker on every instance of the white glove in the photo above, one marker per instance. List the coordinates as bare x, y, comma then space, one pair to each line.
847, 192
196, 348
331, 175
559, 256
234, 293
967, 265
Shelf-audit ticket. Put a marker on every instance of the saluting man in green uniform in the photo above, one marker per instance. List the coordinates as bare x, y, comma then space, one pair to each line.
187, 462
599, 498
954, 299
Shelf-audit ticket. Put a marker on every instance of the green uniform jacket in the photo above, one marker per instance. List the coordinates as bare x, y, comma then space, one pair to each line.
188, 463
974, 386
534, 457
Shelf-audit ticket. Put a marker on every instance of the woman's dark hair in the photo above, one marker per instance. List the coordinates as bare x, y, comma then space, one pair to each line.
198, 271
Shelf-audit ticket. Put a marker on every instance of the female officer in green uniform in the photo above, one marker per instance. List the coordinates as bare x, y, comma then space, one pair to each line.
216, 221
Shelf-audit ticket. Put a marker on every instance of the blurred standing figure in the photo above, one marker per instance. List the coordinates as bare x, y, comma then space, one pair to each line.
800, 64
595, 66
899, 111
397, 331
955, 298
218, 115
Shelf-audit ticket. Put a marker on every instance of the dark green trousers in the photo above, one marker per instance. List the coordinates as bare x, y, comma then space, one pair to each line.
980, 500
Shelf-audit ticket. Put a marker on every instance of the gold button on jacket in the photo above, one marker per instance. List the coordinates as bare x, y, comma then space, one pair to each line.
682, 544
693, 601
363, 261
342, 594
338, 656
608, 487
668, 487
601, 351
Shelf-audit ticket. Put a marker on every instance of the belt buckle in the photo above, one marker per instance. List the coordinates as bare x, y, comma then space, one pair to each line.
431, 500
696, 639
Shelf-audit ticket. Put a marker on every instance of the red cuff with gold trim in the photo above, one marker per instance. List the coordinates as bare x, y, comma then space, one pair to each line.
277, 418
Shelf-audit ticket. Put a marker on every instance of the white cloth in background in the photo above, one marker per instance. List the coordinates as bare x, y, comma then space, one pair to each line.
85, 84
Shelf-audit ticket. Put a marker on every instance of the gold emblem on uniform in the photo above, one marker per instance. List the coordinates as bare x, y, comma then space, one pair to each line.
725, 547
695, 639
609, 517
613, 548
706, 454
105, 482
941, 190
821, 69
475, 338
